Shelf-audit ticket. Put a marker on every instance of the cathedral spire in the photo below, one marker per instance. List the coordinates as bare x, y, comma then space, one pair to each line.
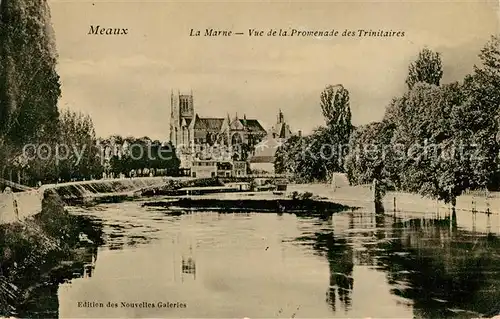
281, 118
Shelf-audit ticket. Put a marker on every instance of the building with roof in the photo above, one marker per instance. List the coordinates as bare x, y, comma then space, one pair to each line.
262, 159
222, 139
281, 130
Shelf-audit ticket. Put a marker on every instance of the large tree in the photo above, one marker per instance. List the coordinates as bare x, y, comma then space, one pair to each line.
29, 84
479, 116
426, 68
79, 156
435, 161
371, 155
144, 155
334, 102
335, 105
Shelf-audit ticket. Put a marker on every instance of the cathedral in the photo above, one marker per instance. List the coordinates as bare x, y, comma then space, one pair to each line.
196, 137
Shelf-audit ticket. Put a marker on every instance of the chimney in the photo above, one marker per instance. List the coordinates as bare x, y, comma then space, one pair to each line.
300, 133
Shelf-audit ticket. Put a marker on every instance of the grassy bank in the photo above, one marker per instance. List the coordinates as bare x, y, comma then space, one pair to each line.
33, 255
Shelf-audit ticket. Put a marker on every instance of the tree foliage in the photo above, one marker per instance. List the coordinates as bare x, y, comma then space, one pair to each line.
435, 160
427, 68
311, 158
370, 153
334, 102
317, 156
29, 83
442, 139
141, 156
80, 157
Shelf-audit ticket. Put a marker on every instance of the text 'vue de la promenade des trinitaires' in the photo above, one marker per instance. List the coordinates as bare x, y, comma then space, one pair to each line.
291, 32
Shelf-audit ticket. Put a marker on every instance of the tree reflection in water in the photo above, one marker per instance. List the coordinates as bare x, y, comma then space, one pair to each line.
340, 260
445, 271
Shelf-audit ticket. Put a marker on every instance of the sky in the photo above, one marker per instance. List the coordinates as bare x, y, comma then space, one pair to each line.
124, 82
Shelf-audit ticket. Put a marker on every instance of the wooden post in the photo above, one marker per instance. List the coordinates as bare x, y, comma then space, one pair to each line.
488, 224
437, 208
14, 204
377, 198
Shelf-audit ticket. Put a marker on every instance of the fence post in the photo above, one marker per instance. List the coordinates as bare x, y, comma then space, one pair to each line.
377, 198
437, 208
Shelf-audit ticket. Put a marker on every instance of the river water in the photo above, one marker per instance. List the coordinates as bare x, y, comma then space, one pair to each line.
356, 264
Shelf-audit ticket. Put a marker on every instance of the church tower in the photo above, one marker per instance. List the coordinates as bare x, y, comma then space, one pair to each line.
281, 129
181, 115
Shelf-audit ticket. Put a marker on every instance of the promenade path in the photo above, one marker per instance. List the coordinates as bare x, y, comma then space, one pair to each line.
475, 213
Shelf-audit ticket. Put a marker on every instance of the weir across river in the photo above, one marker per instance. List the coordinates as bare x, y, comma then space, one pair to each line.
16, 206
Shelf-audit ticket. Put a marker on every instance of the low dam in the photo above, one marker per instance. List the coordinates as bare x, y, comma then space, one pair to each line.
20, 205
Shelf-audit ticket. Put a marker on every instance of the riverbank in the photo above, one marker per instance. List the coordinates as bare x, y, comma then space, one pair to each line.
33, 255
362, 196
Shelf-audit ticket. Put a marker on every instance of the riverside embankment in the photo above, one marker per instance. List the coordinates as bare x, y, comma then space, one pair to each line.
40, 242
479, 212
36, 251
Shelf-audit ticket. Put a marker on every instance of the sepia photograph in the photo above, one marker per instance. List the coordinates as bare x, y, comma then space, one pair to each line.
249, 159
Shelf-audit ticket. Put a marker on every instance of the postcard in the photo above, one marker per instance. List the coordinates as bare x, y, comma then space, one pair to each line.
249, 159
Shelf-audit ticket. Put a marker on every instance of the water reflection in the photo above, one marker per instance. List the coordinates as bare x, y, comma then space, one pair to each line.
340, 261
444, 271
441, 270
223, 265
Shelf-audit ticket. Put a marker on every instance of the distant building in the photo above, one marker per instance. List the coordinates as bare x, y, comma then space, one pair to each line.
217, 168
281, 130
263, 157
215, 140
